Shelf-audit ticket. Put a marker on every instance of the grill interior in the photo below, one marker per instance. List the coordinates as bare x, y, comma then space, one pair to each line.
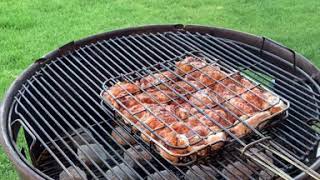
61, 101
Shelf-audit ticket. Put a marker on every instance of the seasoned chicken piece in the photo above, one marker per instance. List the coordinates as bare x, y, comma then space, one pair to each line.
217, 115
188, 64
156, 97
173, 139
199, 142
242, 128
207, 75
203, 98
211, 74
119, 91
226, 89
185, 86
239, 107
212, 118
180, 128
157, 116
255, 98
135, 112
245, 82
197, 134
183, 111
162, 80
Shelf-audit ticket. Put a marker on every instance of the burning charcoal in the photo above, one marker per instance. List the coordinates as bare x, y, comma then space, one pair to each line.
164, 175
93, 151
136, 153
200, 170
237, 170
121, 172
86, 135
124, 135
266, 175
75, 174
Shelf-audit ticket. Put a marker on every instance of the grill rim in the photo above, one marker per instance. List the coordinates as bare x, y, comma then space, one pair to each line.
262, 43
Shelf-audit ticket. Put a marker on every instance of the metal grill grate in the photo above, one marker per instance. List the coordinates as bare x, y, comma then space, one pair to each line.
164, 81
62, 101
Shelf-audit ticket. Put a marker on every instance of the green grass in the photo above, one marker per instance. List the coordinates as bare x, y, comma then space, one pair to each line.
31, 28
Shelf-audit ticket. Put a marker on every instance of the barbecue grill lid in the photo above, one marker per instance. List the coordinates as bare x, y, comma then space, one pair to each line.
264, 44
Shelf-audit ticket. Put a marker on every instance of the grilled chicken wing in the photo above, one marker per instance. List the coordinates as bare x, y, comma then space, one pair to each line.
189, 64
156, 97
162, 80
204, 98
212, 118
120, 91
185, 86
199, 70
239, 106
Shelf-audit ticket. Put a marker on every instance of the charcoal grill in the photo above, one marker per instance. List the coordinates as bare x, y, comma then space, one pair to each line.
56, 100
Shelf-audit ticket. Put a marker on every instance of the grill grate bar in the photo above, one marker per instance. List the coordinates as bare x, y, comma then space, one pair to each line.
226, 130
266, 70
289, 98
83, 120
92, 91
184, 40
276, 70
283, 89
173, 48
41, 139
57, 123
152, 52
229, 58
105, 71
113, 56
95, 93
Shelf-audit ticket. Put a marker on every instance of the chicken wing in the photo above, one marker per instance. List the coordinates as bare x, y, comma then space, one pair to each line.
162, 80
119, 91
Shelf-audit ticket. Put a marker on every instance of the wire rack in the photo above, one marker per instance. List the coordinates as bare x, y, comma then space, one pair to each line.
186, 87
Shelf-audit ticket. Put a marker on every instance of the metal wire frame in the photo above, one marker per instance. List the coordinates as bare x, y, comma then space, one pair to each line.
217, 124
93, 51
308, 169
125, 78
278, 171
289, 116
231, 63
212, 52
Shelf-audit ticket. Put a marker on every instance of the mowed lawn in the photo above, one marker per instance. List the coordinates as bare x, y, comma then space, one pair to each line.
31, 28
